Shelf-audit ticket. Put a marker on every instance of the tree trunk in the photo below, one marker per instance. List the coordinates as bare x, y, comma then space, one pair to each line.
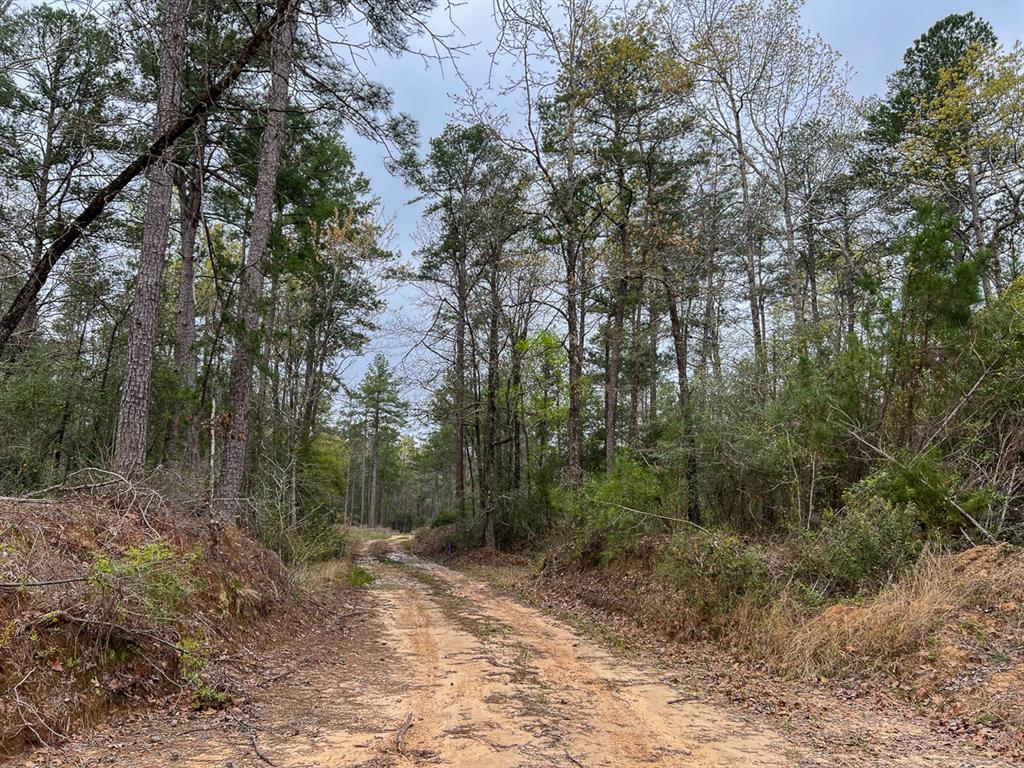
133, 416
709, 329
614, 368
652, 397
232, 469
792, 269
191, 199
679, 343
634, 378
574, 424
491, 440
976, 229
812, 268
459, 392
374, 463
750, 260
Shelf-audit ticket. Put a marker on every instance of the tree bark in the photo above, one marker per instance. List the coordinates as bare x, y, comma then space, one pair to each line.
459, 392
750, 260
574, 424
136, 389
232, 468
614, 368
374, 473
191, 200
634, 377
491, 440
652, 397
679, 342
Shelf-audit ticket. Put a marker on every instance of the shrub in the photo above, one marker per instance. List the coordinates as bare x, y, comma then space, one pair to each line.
608, 513
868, 543
935, 490
359, 577
719, 574
445, 538
442, 518
329, 543
150, 579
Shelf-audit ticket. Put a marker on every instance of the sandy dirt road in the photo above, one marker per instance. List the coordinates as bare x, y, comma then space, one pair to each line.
435, 668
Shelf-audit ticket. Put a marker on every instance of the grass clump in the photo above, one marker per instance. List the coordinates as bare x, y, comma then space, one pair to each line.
359, 577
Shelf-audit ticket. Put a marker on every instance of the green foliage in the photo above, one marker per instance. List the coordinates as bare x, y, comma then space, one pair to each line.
940, 286
328, 543
443, 518
195, 653
866, 543
717, 572
916, 83
464, 534
150, 577
611, 513
927, 486
359, 577
207, 697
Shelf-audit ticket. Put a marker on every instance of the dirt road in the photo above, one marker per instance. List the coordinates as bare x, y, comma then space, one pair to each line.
434, 668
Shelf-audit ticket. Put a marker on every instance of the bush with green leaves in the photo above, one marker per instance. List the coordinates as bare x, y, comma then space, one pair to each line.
866, 543
610, 513
150, 580
931, 487
717, 572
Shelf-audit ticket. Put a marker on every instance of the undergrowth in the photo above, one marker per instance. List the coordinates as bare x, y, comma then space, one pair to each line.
118, 607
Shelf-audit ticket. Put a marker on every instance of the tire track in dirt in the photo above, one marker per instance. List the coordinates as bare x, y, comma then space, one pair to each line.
543, 696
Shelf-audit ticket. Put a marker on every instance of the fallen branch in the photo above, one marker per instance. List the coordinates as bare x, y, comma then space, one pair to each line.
258, 751
15, 585
126, 632
276, 677
573, 760
399, 746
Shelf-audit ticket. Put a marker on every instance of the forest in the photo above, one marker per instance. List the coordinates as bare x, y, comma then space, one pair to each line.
689, 334
692, 282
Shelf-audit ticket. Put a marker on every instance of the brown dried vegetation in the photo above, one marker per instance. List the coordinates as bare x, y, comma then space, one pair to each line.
107, 604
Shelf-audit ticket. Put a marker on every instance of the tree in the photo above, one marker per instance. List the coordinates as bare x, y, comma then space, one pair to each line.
232, 466
70, 233
133, 417
383, 412
637, 89
917, 82
54, 124
531, 36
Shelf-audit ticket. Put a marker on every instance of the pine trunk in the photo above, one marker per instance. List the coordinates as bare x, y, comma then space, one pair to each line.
133, 416
491, 438
232, 468
191, 198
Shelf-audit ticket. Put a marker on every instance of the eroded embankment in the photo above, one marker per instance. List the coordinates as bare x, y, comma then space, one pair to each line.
118, 603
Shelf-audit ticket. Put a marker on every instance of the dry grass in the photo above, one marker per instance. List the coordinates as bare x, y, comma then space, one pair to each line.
907, 615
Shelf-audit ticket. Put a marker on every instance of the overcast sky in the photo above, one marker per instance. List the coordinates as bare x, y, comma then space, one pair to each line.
871, 34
